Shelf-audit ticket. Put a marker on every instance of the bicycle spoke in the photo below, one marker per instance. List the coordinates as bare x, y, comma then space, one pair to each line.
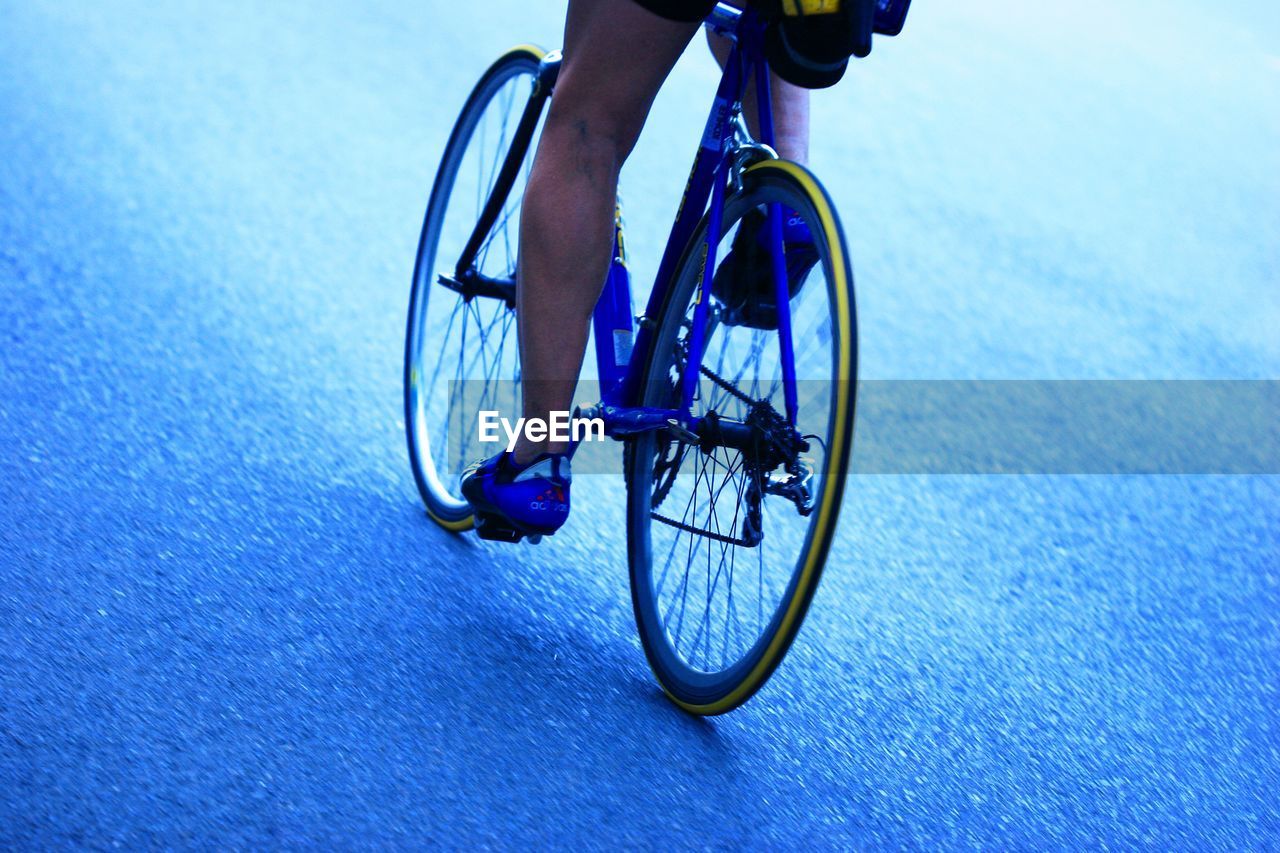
713, 581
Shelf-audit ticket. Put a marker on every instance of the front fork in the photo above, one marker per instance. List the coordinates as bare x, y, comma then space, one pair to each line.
777, 251
730, 166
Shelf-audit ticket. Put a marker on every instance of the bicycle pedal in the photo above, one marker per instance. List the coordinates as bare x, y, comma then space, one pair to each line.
496, 531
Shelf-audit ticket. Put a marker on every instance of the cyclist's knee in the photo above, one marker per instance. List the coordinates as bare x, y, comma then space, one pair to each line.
597, 127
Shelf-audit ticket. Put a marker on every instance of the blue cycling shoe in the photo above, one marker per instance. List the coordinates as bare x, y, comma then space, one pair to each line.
514, 501
743, 283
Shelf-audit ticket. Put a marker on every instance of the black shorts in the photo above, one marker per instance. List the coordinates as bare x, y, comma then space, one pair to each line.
680, 10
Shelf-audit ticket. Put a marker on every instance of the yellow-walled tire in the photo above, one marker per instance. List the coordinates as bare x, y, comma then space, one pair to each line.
435, 349
704, 671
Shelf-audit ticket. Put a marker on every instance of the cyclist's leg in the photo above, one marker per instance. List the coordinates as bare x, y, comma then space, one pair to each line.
790, 108
617, 54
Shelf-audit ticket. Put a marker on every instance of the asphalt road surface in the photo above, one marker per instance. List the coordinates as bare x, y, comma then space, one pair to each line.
226, 622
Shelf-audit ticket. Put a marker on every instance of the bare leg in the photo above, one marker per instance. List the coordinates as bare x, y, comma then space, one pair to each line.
790, 108
617, 54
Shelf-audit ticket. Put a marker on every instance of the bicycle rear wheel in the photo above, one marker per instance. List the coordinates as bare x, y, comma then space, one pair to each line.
461, 354
724, 557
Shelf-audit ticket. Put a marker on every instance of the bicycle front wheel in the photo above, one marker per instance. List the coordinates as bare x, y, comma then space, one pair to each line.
725, 551
461, 354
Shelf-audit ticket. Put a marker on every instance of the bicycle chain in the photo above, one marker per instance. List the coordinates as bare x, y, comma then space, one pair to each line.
682, 358
700, 531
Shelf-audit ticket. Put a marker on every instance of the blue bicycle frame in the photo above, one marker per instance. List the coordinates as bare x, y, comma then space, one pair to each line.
621, 353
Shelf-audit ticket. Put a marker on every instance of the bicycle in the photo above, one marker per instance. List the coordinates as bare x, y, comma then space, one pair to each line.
723, 454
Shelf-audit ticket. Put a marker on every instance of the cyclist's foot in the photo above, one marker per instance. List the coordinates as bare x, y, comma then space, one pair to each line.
513, 501
743, 282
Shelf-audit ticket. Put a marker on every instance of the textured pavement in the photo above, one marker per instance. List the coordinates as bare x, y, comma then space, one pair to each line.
225, 621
